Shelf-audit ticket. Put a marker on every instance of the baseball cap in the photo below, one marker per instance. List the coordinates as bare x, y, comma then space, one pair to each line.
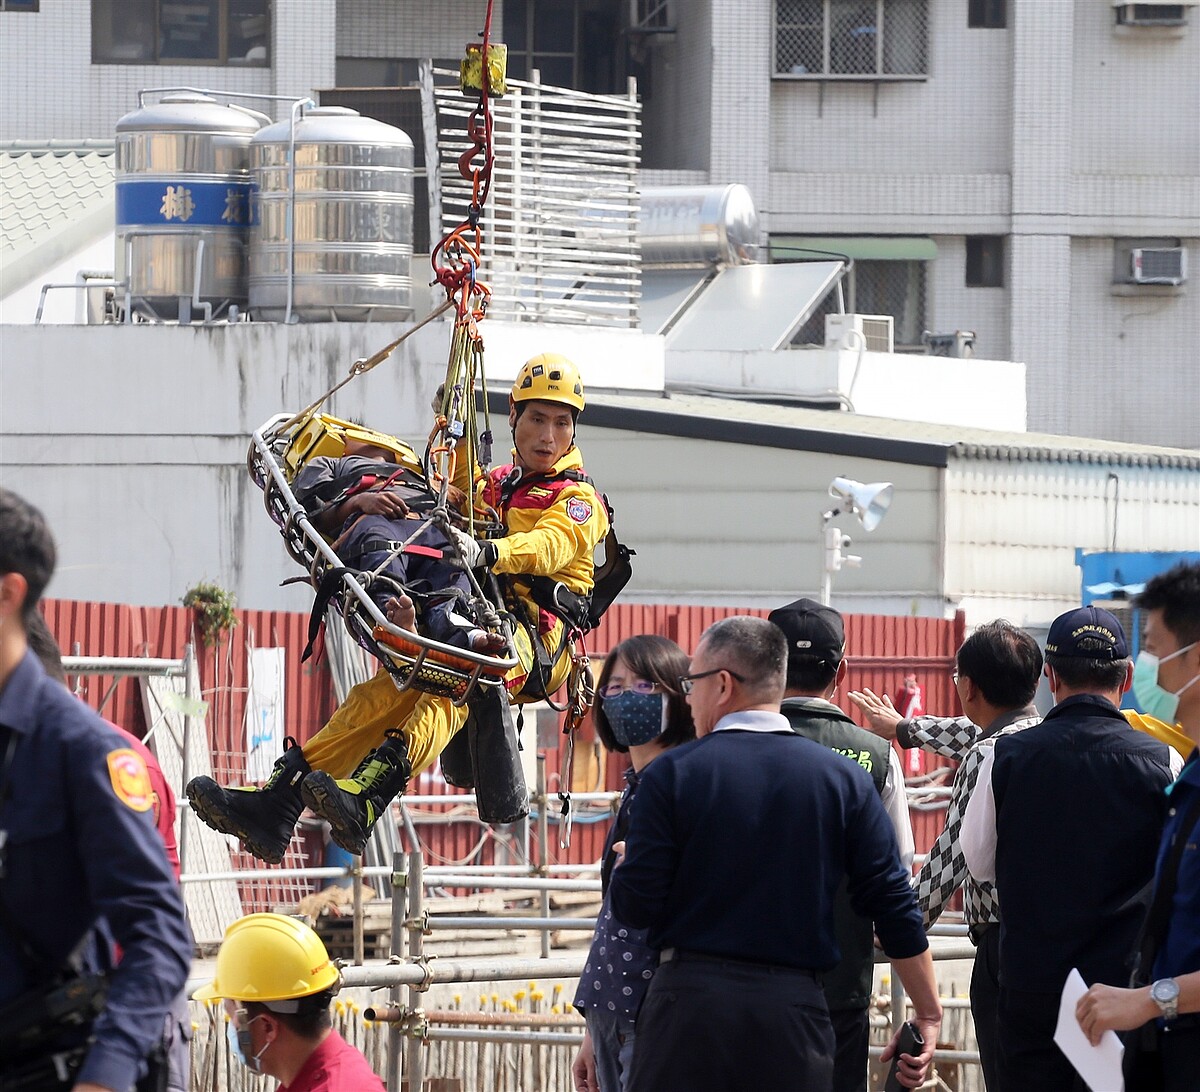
812, 629
1089, 633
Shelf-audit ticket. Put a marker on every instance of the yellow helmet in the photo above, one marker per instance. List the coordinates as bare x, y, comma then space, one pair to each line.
269, 957
549, 377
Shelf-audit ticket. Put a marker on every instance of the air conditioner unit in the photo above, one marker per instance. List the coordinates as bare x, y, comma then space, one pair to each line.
1160, 265
1152, 14
872, 332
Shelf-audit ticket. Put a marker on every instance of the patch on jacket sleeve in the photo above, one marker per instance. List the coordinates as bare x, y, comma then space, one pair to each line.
579, 510
130, 779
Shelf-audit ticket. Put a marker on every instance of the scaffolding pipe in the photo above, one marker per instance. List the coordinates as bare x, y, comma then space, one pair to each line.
416, 955
438, 971
527, 883
539, 1038
399, 909
546, 924
123, 665
458, 1018
453, 879
356, 880
543, 837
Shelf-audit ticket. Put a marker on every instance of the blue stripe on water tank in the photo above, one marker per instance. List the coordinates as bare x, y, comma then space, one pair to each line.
183, 203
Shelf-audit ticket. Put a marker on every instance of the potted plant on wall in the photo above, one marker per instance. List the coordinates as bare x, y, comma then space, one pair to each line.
213, 609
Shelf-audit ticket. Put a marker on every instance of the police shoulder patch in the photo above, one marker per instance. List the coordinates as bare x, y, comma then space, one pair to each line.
579, 510
130, 779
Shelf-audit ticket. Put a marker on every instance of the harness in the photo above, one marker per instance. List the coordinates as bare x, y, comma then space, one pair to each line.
577, 612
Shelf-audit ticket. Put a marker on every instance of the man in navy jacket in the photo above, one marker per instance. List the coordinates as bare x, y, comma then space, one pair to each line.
1065, 820
82, 864
735, 854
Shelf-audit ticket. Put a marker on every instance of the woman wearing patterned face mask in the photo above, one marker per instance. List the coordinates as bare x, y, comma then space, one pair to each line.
642, 712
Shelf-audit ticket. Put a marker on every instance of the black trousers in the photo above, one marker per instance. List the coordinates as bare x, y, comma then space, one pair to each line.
723, 1026
985, 1004
852, 1036
1032, 1060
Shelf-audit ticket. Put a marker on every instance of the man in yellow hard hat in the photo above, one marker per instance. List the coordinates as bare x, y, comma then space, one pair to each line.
554, 519
277, 982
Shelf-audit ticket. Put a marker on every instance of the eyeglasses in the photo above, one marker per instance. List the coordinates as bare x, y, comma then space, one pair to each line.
687, 683
638, 686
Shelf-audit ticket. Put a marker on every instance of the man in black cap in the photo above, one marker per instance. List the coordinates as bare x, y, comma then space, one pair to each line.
1065, 820
816, 668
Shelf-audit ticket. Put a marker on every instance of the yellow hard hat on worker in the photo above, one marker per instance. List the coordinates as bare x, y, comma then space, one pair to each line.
269, 957
549, 377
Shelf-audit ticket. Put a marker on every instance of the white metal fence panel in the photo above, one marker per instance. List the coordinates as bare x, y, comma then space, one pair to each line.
560, 227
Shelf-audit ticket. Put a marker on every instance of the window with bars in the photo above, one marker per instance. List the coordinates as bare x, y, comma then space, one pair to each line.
851, 39
883, 287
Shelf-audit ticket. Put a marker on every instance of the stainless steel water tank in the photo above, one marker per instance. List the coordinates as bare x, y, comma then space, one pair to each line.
698, 225
353, 219
182, 192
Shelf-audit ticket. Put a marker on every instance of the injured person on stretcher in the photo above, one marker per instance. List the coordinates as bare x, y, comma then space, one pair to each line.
375, 513
380, 736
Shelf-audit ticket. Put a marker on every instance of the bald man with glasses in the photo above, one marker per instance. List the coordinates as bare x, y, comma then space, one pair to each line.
736, 848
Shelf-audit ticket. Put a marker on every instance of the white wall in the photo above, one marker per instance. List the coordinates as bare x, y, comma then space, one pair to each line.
410, 28
951, 305
52, 90
132, 439
973, 393
733, 523
20, 306
1012, 529
1137, 357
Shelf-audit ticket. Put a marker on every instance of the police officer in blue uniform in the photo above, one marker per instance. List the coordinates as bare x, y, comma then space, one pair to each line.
81, 866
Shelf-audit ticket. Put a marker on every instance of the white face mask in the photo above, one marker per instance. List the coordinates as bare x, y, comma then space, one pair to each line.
240, 1045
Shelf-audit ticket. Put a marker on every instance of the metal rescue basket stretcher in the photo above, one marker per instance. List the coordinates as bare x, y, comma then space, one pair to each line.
278, 450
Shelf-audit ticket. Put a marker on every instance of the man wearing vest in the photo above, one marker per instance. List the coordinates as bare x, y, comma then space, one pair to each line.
996, 675
816, 668
1065, 820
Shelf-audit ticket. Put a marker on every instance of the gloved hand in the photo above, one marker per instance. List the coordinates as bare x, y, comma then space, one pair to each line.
475, 554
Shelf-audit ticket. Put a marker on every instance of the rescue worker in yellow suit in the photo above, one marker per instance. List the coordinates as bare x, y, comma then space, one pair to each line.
554, 519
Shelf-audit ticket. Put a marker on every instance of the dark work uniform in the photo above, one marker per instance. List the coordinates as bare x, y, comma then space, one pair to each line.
1079, 809
737, 845
83, 863
848, 986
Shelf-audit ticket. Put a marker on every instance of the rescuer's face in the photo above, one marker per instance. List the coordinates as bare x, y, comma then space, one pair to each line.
542, 434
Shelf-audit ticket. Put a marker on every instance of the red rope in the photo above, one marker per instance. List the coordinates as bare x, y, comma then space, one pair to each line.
456, 257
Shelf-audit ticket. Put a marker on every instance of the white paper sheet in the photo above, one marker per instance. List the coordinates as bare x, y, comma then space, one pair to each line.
1099, 1065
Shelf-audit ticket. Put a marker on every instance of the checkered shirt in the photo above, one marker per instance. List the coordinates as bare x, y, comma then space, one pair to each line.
945, 868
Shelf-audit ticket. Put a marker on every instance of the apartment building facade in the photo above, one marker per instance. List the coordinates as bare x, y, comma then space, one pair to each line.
1024, 170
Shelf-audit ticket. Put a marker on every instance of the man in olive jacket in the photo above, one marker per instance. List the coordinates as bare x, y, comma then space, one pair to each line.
816, 667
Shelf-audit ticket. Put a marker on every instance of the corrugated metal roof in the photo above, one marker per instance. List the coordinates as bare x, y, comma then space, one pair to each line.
703, 416
55, 196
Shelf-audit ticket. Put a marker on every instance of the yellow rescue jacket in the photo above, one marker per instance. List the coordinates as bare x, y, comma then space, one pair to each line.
1164, 733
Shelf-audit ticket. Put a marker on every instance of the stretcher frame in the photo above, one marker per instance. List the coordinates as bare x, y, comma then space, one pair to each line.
414, 661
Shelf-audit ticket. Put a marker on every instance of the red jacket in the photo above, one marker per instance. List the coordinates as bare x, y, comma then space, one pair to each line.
335, 1066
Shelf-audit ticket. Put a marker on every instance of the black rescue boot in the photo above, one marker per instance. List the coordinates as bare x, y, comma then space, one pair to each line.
263, 819
354, 804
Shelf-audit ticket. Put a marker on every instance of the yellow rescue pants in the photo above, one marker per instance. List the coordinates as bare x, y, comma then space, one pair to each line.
428, 721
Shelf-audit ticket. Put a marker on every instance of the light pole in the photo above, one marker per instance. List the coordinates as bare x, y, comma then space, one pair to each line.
866, 502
